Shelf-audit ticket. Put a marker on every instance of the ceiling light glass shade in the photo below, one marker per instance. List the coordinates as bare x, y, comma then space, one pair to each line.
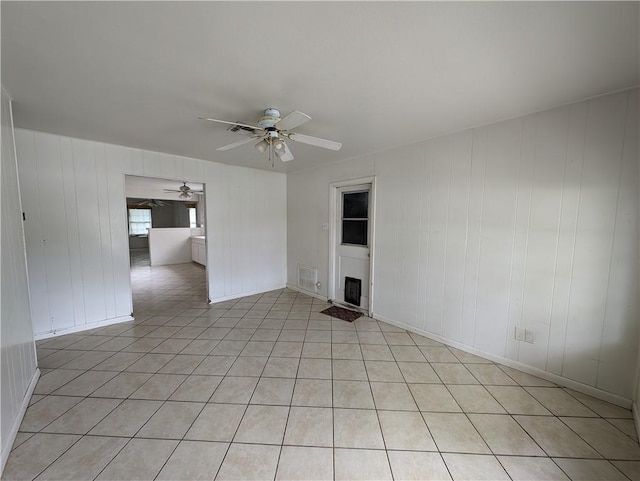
262, 146
278, 147
185, 195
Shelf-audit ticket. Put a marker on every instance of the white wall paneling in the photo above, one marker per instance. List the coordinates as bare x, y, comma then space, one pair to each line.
76, 228
530, 223
18, 355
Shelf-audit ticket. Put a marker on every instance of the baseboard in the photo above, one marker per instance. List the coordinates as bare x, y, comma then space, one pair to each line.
548, 376
83, 327
246, 294
308, 293
11, 437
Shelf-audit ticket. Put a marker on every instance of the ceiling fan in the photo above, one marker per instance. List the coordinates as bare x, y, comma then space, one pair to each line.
185, 191
152, 203
271, 130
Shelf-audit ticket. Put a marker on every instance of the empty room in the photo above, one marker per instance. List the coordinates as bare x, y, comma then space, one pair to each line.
320, 240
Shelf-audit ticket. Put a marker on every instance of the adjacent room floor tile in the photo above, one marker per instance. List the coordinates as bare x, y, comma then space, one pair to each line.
590, 469
171, 421
306, 463
417, 466
194, 460
85, 459
33, 456
455, 433
139, 459
434, 397
357, 428
249, 462
555, 437
309, 427
361, 465
525, 468
83, 416
405, 431
127, 418
352, 394
262, 424
475, 399
504, 435
474, 467
313, 392
216, 422
604, 437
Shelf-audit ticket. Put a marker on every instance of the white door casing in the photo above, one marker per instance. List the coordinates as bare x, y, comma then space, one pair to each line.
348, 259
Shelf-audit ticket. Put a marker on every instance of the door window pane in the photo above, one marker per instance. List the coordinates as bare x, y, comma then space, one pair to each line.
355, 213
355, 205
355, 232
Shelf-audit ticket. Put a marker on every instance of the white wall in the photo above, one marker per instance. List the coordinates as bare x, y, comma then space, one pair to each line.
171, 245
76, 229
17, 349
531, 222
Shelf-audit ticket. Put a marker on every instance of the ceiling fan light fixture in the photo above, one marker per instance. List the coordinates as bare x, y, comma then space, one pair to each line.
262, 146
279, 147
185, 195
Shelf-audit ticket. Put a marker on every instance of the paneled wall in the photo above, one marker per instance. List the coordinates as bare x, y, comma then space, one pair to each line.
76, 228
17, 351
531, 222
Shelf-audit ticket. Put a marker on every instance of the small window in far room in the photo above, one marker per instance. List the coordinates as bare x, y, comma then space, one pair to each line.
192, 217
139, 221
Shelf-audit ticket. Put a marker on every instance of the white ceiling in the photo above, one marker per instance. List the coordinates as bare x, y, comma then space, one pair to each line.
371, 75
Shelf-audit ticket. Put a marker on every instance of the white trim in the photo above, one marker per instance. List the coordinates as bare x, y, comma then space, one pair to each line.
310, 294
82, 327
334, 192
246, 294
636, 416
13, 432
548, 376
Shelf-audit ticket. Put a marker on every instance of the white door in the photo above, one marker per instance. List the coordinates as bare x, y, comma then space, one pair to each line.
353, 239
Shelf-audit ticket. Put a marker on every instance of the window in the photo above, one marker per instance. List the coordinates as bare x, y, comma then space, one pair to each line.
355, 218
139, 221
192, 217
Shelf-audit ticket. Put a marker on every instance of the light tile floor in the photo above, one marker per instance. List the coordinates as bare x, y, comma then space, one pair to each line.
266, 387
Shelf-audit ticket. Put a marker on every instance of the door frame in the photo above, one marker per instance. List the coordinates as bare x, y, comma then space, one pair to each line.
334, 217
126, 211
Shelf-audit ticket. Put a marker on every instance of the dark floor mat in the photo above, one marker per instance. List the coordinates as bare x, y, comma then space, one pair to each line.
340, 313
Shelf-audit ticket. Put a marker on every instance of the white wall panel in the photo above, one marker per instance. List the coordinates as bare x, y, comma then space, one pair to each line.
620, 329
73, 230
600, 179
33, 237
458, 222
75, 201
17, 349
55, 241
530, 222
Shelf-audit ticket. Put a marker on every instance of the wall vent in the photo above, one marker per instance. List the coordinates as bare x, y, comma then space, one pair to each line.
308, 278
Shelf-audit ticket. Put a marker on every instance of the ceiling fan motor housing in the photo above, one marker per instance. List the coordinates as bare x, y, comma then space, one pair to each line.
270, 118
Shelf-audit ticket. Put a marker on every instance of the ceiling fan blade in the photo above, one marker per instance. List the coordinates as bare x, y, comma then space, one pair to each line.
286, 155
237, 144
172, 190
231, 123
318, 142
293, 120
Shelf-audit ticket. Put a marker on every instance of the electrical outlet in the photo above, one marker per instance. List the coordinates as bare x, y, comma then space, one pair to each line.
519, 334
529, 336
